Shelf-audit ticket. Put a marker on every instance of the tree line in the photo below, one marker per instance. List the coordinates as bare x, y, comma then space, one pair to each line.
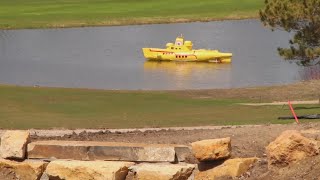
300, 17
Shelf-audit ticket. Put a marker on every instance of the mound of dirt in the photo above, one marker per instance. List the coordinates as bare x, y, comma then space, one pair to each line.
246, 142
307, 169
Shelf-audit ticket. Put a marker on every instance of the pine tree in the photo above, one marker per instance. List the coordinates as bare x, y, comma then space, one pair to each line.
302, 18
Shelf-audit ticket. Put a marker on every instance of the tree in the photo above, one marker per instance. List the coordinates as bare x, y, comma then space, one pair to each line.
302, 17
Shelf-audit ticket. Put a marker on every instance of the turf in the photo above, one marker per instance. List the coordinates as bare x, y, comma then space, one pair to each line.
70, 13
38, 107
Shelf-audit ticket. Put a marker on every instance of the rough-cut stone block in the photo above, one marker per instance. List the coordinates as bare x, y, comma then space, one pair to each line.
28, 169
290, 147
58, 150
212, 149
13, 144
182, 152
89, 150
230, 168
97, 170
160, 171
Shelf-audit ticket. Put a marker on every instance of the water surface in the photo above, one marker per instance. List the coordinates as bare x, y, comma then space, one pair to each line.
111, 57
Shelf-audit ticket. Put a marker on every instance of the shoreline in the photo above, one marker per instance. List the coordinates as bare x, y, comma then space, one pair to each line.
161, 90
133, 22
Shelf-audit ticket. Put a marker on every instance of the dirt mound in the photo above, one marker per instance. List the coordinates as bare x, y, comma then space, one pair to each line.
246, 142
307, 169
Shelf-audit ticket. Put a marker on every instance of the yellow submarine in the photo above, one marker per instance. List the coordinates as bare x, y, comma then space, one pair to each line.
182, 51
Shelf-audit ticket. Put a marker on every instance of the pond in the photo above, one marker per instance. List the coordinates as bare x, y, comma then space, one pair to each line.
111, 57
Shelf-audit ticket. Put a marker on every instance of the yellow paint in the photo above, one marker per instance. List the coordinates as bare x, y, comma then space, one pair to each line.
182, 51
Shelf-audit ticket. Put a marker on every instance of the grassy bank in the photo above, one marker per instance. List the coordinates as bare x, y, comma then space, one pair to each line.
38, 107
71, 13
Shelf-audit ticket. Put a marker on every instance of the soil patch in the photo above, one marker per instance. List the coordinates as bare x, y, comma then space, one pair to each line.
281, 103
305, 90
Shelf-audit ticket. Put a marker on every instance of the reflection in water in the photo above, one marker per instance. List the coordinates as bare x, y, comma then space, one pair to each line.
182, 73
184, 68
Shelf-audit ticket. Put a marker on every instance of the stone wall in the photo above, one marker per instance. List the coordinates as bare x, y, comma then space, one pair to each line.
74, 160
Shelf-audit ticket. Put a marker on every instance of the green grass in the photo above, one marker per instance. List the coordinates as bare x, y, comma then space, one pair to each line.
33, 107
69, 13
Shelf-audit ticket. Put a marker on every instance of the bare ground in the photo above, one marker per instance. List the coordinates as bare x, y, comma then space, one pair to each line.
247, 141
305, 90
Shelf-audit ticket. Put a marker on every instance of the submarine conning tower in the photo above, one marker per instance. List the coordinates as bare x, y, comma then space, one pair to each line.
180, 44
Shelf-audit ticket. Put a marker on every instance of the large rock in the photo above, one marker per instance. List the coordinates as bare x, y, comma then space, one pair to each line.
13, 144
230, 168
212, 149
97, 170
182, 152
89, 150
29, 170
160, 171
289, 147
